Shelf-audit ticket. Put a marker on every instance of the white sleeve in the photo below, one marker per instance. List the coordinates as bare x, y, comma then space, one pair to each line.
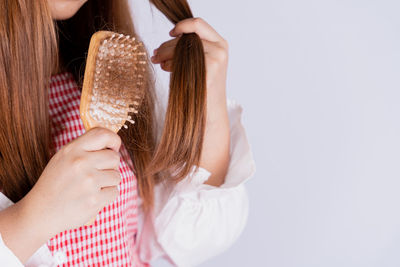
193, 221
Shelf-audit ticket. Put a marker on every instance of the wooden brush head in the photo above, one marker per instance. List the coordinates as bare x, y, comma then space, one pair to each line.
115, 81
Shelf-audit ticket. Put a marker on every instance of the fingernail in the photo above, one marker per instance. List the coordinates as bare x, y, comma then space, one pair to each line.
155, 52
172, 31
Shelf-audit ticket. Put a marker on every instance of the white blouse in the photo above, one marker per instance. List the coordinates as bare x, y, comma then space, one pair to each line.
191, 221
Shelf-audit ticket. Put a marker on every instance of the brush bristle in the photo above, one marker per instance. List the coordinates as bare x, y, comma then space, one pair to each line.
119, 82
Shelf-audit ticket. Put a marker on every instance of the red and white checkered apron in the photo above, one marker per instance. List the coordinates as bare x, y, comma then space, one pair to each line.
110, 240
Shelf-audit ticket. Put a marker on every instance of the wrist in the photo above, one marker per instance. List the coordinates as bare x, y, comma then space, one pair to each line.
215, 152
34, 217
217, 113
216, 102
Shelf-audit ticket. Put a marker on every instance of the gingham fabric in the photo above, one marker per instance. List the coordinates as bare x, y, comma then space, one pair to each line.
110, 240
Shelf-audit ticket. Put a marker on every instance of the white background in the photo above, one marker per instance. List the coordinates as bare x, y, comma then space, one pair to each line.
319, 82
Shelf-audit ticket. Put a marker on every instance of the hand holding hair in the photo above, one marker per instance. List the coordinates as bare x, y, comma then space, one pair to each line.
215, 149
216, 56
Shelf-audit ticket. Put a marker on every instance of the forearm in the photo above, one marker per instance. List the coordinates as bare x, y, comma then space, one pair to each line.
21, 231
215, 153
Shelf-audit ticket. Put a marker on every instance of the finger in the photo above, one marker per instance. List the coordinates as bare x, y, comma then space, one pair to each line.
166, 65
107, 178
199, 26
108, 195
105, 159
166, 53
163, 54
169, 43
99, 138
167, 46
211, 50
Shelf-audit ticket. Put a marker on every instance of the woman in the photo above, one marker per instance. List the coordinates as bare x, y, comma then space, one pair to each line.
60, 176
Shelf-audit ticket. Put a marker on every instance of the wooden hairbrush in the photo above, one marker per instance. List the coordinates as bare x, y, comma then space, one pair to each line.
114, 83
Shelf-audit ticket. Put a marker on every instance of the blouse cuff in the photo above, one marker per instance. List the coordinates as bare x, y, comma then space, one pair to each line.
192, 221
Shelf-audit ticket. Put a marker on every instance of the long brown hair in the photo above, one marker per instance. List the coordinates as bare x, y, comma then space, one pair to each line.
32, 46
